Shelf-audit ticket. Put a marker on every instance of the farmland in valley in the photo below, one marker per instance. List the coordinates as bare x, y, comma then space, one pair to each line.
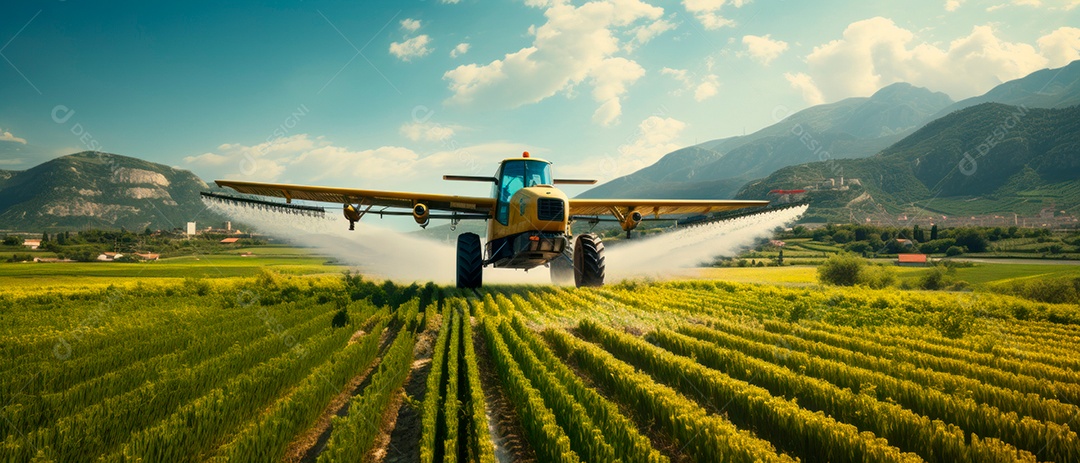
325, 368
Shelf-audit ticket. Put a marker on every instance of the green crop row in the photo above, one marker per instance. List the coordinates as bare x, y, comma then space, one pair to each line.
262, 439
432, 395
933, 440
548, 439
811, 435
704, 437
354, 434
481, 448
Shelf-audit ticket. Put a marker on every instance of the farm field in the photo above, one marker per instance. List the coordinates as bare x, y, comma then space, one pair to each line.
323, 368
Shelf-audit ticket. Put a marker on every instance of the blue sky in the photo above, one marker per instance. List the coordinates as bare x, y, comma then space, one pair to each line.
392, 94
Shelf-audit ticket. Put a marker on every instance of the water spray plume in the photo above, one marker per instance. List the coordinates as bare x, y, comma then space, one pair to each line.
405, 258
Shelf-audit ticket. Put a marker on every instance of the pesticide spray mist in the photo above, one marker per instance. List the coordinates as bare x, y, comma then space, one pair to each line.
406, 258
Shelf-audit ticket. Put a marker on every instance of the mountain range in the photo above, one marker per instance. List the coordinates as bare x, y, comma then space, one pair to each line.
848, 129
989, 158
100, 190
1014, 149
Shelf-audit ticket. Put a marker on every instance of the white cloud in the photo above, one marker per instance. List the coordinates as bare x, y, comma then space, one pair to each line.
426, 131
704, 87
575, 45
876, 52
460, 49
415, 47
450, 2
303, 159
952, 5
410, 25
655, 136
764, 49
805, 84
7, 136
708, 11
643, 34
1061, 47
708, 88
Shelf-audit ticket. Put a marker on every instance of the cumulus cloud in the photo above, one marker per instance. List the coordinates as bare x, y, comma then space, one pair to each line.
426, 131
655, 136
576, 45
7, 136
764, 49
313, 160
707, 12
410, 25
704, 87
460, 49
1061, 46
415, 47
952, 5
805, 84
876, 52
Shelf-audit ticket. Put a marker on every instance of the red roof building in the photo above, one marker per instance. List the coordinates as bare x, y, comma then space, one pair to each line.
911, 259
229, 240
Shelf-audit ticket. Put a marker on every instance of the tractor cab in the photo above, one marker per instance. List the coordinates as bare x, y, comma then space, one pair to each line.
513, 175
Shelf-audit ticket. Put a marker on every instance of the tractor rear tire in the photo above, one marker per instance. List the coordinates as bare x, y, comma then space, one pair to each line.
562, 269
470, 261
588, 260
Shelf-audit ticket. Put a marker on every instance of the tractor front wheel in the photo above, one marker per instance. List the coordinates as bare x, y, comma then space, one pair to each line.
470, 261
588, 260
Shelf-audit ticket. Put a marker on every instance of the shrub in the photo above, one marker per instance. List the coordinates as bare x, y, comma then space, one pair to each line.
954, 251
341, 318
841, 269
878, 276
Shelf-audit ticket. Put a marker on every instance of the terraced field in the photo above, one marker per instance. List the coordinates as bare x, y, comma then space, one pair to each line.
328, 369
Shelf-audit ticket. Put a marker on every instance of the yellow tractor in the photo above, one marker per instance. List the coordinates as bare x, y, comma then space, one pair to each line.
529, 219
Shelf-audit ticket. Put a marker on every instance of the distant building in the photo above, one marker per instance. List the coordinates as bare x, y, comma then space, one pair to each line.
51, 260
191, 228
109, 256
148, 256
229, 240
911, 260
32, 244
904, 242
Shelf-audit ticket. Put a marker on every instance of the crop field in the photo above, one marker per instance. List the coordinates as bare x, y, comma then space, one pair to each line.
326, 369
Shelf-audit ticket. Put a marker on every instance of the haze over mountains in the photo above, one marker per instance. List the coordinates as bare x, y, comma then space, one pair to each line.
848, 129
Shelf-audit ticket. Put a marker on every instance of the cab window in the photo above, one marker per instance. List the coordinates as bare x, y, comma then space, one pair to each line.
513, 176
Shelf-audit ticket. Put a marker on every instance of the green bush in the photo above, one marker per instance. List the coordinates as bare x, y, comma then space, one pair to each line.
878, 276
841, 269
954, 251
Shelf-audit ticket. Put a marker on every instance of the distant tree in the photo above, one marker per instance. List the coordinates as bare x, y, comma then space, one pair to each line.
933, 232
917, 234
61, 238
44, 237
842, 269
954, 251
861, 233
973, 240
843, 236
12, 240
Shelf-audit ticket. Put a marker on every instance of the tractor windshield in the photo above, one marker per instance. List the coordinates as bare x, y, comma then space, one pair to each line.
513, 176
